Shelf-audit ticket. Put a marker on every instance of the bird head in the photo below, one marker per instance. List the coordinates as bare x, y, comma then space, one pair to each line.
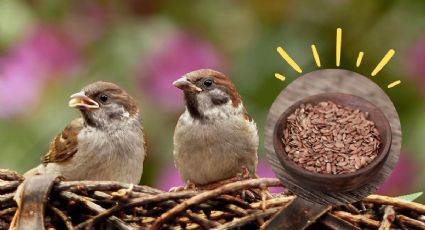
104, 102
209, 93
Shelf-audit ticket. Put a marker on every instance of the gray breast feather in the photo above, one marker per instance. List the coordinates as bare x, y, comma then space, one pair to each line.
205, 153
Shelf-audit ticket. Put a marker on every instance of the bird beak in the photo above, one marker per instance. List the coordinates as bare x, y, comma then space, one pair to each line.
185, 85
80, 100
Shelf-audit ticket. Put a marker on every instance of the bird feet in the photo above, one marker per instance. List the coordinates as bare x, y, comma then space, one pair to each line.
189, 186
244, 174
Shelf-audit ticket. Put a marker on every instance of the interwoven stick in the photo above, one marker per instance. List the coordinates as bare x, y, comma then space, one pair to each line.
411, 222
209, 194
142, 207
247, 219
75, 186
88, 202
66, 220
357, 219
388, 218
420, 208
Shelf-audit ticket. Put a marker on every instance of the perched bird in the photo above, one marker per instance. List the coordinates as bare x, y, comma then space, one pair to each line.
106, 143
215, 139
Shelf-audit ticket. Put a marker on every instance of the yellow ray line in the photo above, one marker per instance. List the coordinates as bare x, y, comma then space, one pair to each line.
338, 45
315, 55
394, 84
288, 59
280, 76
383, 62
359, 59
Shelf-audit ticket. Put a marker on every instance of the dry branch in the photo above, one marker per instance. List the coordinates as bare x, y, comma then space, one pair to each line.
420, 208
357, 219
240, 185
411, 222
388, 218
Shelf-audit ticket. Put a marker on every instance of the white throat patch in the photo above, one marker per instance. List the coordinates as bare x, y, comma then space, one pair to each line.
212, 111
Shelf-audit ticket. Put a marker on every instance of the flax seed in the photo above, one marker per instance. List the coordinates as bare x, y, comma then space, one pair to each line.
331, 139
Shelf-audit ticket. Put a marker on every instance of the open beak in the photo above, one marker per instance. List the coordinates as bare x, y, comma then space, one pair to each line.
80, 100
185, 85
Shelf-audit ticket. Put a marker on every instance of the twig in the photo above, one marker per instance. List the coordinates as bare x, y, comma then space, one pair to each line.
159, 198
388, 218
103, 215
352, 208
273, 202
7, 211
75, 186
247, 219
217, 215
401, 224
213, 193
240, 212
358, 219
137, 202
62, 216
8, 185
204, 223
6, 174
102, 195
6, 200
94, 207
335, 223
233, 200
420, 208
411, 222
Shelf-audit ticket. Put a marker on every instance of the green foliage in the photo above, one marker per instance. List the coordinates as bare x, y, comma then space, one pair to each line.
410, 197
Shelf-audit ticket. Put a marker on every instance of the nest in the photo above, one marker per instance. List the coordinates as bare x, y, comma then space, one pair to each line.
237, 205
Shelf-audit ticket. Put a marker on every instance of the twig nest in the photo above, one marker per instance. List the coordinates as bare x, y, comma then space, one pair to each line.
108, 204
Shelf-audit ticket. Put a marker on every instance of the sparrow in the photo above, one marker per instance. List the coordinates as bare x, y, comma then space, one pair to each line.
215, 138
105, 143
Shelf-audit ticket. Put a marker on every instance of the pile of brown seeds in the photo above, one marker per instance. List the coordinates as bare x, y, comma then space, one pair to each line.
330, 139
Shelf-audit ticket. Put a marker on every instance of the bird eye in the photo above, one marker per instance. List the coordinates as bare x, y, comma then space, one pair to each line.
208, 82
103, 97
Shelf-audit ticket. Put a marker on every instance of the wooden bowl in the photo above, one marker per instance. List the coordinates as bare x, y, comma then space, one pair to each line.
339, 182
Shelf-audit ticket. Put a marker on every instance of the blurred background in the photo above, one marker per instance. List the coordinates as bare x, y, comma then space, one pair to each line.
50, 49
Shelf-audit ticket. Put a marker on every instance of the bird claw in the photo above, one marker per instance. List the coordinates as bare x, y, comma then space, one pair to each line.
189, 186
176, 189
244, 174
257, 193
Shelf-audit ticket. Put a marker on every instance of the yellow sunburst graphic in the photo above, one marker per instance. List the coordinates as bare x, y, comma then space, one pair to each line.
387, 57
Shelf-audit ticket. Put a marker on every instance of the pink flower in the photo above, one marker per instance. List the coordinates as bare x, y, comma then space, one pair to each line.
402, 178
264, 170
179, 54
50, 51
25, 67
169, 177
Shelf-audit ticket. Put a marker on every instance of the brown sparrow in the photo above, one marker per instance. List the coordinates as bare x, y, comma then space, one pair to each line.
215, 139
106, 143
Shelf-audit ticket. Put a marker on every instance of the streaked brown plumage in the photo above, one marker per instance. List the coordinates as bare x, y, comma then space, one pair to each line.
106, 143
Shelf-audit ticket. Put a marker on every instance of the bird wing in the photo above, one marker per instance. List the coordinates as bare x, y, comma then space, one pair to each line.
65, 144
